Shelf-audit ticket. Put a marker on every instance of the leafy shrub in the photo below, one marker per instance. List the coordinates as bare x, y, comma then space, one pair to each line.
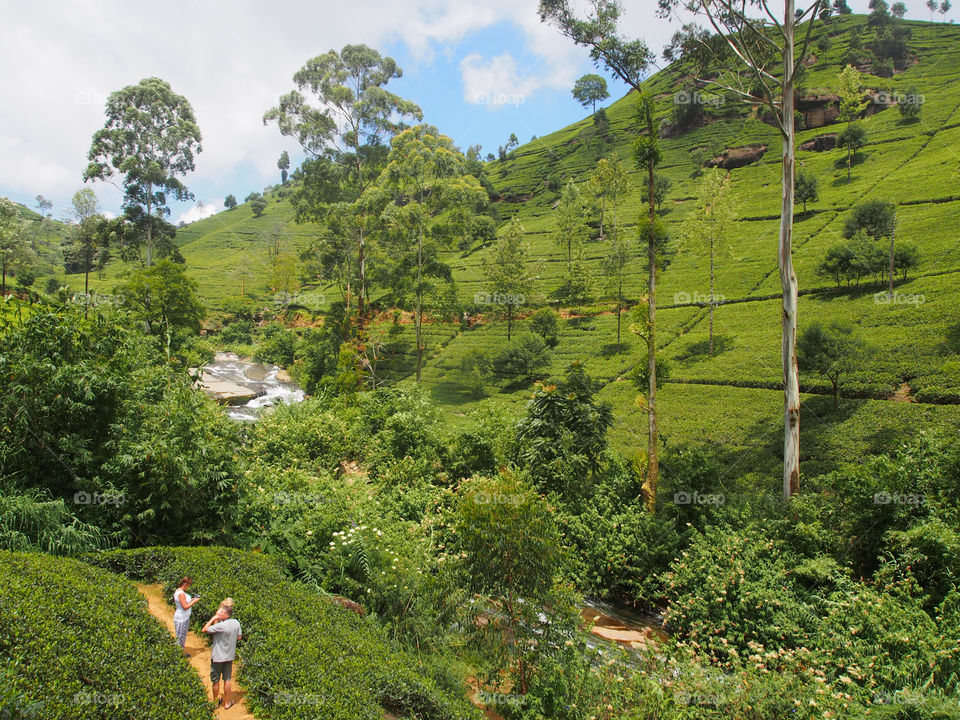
239, 331
522, 358
302, 656
304, 435
84, 647
92, 408
276, 346
544, 323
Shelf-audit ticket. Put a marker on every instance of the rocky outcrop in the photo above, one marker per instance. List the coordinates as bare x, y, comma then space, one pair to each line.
738, 157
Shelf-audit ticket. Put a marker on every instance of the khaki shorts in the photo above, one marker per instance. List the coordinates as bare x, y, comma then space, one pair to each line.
221, 669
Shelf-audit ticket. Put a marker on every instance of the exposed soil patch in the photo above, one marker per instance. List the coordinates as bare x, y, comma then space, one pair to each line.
903, 394
738, 157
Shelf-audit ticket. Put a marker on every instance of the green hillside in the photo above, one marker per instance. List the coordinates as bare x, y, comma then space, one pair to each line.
732, 397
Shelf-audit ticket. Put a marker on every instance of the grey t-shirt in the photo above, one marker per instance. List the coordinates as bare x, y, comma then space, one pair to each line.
225, 636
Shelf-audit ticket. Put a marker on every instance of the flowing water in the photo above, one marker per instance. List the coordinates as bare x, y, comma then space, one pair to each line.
254, 386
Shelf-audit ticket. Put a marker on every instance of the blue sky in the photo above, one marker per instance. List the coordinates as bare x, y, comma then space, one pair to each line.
232, 59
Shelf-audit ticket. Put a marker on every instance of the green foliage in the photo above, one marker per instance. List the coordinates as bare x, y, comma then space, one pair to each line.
33, 522
589, 89
562, 439
509, 274
522, 358
291, 672
875, 218
151, 138
230, 202
544, 323
509, 552
96, 419
806, 189
277, 345
81, 646
831, 350
165, 300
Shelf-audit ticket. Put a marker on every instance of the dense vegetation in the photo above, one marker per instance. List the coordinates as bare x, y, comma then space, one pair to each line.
474, 339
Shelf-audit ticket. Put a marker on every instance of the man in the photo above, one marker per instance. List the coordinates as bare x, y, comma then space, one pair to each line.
226, 631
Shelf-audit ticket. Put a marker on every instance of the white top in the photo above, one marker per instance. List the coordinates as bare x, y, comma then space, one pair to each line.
182, 614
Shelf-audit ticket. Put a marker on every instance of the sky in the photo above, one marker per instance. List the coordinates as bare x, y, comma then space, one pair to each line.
479, 70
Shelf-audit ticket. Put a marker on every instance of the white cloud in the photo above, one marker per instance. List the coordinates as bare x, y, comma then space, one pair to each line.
199, 212
496, 82
231, 60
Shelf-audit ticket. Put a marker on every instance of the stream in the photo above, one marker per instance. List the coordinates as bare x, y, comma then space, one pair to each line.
245, 388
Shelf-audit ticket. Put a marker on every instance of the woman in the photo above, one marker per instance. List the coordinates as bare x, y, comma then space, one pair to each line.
183, 602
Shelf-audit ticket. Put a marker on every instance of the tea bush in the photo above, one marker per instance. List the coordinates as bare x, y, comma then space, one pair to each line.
302, 657
77, 643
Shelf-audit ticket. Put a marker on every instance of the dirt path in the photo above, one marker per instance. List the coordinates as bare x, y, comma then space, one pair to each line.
199, 651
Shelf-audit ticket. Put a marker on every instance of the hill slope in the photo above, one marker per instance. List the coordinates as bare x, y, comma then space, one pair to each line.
732, 397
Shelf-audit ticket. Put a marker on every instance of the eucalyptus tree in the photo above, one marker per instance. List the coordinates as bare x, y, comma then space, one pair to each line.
283, 164
151, 138
571, 219
629, 60
759, 62
709, 226
609, 183
852, 104
342, 115
425, 180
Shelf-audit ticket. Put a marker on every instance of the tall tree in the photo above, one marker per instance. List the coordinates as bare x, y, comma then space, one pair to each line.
589, 89
353, 117
760, 64
807, 189
13, 240
284, 165
151, 138
616, 270
508, 271
89, 230
852, 104
608, 182
424, 178
43, 205
230, 202
709, 226
629, 60
571, 219
932, 7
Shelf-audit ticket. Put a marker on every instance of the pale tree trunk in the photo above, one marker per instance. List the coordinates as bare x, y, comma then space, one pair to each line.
653, 462
788, 278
